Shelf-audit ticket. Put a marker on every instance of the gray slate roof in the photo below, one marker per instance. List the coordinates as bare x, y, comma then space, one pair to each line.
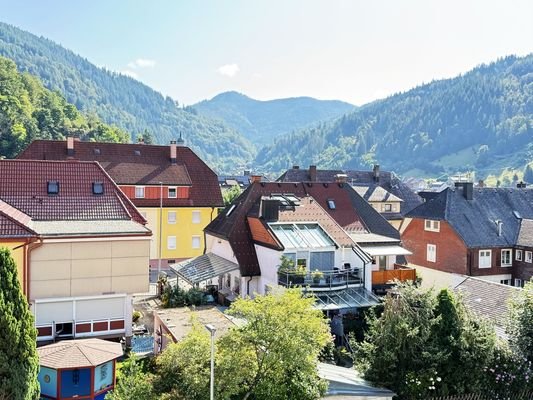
525, 236
475, 220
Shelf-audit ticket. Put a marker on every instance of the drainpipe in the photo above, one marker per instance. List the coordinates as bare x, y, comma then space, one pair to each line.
248, 286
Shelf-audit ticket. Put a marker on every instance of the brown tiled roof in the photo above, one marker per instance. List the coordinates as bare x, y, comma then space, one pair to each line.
23, 186
80, 353
10, 228
141, 164
351, 212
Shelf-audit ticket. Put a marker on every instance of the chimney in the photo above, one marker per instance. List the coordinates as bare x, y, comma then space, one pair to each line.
375, 170
140, 140
521, 185
246, 172
499, 223
270, 210
481, 183
468, 189
70, 146
255, 178
173, 152
312, 173
295, 167
341, 178
181, 142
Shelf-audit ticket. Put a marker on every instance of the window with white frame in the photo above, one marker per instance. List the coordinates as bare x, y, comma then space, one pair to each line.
171, 217
431, 253
518, 255
507, 258
505, 281
196, 242
387, 207
432, 225
485, 258
139, 192
196, 218
171, 242
172, 192
529, 257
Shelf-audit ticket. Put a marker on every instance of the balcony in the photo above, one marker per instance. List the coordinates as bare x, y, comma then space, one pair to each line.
325, 280
387, 277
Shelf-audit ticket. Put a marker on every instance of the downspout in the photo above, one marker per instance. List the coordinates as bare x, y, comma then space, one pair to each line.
248, 285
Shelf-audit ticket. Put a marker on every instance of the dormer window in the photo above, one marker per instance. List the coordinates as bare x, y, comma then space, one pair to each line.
331, 204
97, 152
98, 188
53, 187
431, 225
172, 192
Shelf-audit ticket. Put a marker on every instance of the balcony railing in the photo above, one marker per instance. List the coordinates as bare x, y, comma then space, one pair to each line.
388, 276
334, 279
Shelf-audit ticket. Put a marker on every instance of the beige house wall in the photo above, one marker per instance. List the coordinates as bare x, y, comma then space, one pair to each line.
89, 267
435, 278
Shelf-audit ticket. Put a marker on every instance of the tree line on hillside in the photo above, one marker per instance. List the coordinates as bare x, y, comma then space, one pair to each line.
29, 111
489, 110
122, 101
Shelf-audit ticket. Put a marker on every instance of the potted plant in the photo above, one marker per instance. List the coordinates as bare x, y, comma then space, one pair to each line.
317, 276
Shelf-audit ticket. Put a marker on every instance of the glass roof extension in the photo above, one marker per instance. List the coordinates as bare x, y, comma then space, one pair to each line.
301, 235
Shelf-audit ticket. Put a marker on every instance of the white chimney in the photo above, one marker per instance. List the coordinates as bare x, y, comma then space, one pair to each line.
173, 152
70, 146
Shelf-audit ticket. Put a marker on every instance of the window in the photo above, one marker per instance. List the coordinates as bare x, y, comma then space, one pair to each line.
196, 242
171, 242
98, 188
53, 187
387, 207
139, 192
431, 254
433, 226
518, 255
485, 258
507, 258
331, 204
529, 257
196, 218
171, 217
172, 192
518, 282
505, 281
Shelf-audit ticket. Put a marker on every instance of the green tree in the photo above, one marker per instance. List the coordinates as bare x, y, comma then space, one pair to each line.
520, 325
19, 363
231, 194
132, 383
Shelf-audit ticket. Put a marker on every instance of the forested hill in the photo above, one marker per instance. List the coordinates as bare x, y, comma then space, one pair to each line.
29, 111
481, 120
261, 121
121, 100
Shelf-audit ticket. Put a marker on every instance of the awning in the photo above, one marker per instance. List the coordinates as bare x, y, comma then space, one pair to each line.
203, 267
347, 298
386, 250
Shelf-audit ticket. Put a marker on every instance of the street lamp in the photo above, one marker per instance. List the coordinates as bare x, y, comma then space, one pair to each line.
212, 330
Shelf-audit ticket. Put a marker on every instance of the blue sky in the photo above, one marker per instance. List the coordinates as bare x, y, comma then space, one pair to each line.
355, 51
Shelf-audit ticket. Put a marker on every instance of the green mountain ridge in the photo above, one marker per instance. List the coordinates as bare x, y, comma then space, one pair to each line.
121, 100
428, 128
262, 120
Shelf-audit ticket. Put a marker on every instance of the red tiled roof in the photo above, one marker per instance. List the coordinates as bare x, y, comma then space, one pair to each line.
23, 186
352, 212
141, 164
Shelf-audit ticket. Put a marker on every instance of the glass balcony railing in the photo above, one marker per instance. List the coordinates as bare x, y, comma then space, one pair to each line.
333, 279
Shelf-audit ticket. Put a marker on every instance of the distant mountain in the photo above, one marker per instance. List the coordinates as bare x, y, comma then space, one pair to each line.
261, 121
123, 101
482, 120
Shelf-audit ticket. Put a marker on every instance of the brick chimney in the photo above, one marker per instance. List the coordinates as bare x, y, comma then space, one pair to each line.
173, 152
375, 171
255, 178
312, 173
70, 146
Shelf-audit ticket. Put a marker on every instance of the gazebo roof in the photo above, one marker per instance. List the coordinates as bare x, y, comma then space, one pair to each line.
80, 353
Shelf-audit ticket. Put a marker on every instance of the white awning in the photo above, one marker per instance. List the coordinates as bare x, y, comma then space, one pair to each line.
386, 251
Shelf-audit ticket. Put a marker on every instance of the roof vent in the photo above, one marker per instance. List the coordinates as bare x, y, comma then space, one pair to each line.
98, 188
52, 187
181, 142
96, 151
499, 224
137, 152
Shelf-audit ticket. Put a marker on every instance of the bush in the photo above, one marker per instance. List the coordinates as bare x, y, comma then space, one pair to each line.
136, 315
178, 297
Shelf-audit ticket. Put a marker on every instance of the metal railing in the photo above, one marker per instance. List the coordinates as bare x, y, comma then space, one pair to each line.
333, 279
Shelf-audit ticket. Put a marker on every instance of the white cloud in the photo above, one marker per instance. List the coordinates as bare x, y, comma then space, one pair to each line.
228, 70
129, 73
142, 63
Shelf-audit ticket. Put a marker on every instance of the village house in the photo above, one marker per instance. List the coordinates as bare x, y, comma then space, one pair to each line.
382, 189
309, 224
80, 245
482, 232
172, 187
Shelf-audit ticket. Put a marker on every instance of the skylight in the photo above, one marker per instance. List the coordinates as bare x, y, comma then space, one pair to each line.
53, 187
231, 210
301, 235
331, 204
98, 188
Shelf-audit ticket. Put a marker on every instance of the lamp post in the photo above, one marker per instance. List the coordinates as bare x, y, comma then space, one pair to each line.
212, 330
160, 227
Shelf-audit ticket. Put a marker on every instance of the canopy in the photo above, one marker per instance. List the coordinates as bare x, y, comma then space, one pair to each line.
386, 250
203, 267
346, 298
